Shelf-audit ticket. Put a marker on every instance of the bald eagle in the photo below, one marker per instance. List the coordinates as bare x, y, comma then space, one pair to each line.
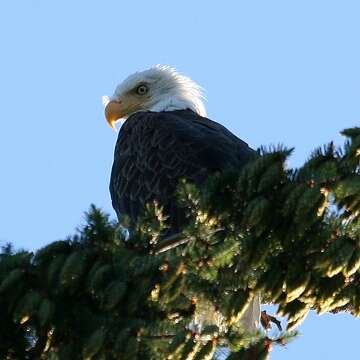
166, 136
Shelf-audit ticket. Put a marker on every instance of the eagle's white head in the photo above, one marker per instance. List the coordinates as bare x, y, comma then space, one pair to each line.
160, 88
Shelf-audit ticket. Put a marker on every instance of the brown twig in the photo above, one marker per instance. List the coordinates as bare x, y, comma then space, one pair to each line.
266, 321
176, 240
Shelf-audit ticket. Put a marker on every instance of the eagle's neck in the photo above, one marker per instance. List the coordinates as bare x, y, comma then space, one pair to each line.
172, 103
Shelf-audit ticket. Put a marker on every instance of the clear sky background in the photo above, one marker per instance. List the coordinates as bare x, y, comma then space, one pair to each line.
274, 71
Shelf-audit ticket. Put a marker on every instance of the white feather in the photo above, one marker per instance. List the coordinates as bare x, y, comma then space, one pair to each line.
169, 90
105, 100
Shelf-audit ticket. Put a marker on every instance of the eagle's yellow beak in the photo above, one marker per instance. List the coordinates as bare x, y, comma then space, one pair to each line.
113, 112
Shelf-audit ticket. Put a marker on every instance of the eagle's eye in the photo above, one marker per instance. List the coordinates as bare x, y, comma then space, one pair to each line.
142, 89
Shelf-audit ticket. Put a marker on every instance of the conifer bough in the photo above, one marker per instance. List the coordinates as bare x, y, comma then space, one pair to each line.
291, 235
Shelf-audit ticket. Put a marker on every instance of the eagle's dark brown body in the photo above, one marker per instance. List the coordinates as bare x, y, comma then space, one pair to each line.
155, 150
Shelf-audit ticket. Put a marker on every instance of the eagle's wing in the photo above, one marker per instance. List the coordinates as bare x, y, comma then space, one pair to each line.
155, 150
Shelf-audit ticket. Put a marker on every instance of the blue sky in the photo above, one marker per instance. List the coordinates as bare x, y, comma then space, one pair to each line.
274, 71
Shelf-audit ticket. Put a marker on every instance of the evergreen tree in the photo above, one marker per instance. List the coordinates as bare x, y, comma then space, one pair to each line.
292, 236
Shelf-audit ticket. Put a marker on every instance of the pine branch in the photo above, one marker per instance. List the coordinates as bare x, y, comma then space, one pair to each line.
263, 230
